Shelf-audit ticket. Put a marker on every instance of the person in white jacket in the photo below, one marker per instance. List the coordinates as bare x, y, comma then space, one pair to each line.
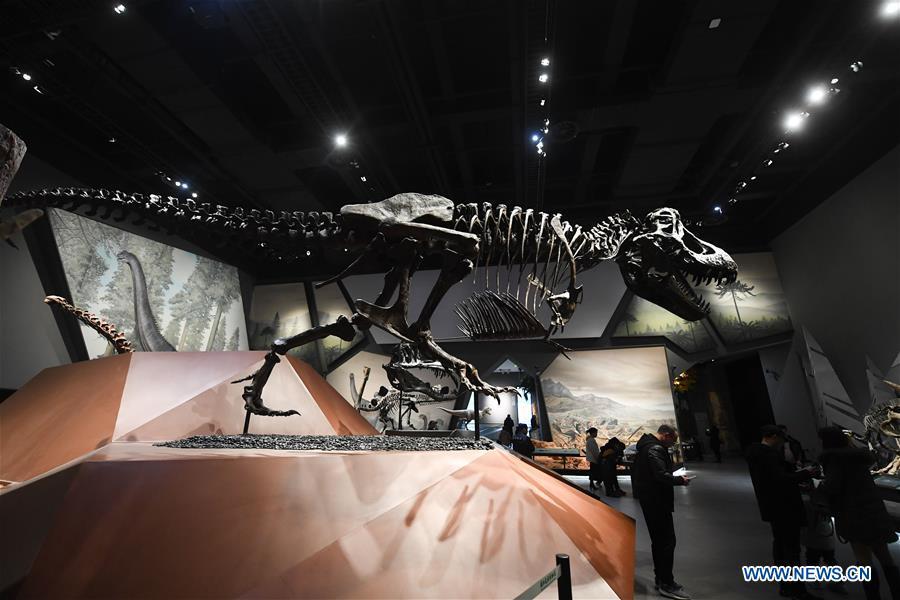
592, 452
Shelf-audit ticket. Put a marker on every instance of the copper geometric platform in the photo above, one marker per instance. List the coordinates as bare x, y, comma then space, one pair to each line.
134, 520
66, 412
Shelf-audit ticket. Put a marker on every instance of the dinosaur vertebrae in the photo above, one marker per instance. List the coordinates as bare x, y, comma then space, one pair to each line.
115, 337
283, 234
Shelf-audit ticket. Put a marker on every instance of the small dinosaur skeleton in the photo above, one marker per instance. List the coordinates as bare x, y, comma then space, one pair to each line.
657, 257
115, 337
883, 421
467, 414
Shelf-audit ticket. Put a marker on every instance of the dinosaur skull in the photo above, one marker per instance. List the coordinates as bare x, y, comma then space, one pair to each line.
661, 258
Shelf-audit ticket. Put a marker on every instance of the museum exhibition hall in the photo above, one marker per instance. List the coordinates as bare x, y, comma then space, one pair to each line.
450, 299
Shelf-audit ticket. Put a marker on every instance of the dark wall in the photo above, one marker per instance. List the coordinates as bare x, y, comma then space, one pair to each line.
749, 397
840, 268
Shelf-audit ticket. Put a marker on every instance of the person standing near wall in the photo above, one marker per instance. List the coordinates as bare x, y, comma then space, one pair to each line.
653, 485
777, 489
860, 516
592, 452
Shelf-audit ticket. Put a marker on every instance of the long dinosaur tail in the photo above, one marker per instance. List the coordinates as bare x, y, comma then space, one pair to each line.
104, 328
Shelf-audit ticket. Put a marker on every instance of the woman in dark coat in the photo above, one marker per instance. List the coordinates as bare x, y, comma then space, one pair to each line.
859, 513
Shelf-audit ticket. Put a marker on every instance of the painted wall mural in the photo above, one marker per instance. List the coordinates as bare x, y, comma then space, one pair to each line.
751, 308
196, 301
643, 318
623, 392
278, 311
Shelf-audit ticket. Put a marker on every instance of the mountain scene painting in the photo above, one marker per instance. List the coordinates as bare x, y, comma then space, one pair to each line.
194, 302
623, 392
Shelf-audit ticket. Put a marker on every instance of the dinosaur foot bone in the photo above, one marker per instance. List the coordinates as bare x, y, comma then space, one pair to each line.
253, 401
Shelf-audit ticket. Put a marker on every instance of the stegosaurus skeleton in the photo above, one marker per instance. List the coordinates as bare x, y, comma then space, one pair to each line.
657, 257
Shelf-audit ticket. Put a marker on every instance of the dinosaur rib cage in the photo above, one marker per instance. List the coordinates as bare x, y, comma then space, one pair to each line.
490, 315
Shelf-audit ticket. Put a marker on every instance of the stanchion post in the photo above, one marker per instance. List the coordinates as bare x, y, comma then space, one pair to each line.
564, 583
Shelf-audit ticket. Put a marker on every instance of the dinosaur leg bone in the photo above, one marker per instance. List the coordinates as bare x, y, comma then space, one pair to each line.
342, 328
468, 375
393, 319
456, 268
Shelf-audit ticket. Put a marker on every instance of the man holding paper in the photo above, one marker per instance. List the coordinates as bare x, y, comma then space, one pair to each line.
653, 483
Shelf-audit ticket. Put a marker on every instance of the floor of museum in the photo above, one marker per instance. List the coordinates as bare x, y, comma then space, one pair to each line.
718, 529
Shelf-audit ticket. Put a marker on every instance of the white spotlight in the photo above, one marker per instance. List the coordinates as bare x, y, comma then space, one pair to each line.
817, 94
718, 209
119, 9
794, 120
890, 9
26, 76
545, 62
177, 184
363, 178
543, 102
340, 140
714, 23
535, 137
193, 194
184, 185
834, 80
543, 78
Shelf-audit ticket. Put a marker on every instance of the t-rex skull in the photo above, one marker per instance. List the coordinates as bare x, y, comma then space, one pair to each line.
661, 258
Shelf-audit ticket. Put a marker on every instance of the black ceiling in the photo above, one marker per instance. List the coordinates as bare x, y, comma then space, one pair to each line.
648, 106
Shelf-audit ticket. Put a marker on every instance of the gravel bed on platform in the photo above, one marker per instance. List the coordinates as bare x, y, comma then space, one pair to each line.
329, 443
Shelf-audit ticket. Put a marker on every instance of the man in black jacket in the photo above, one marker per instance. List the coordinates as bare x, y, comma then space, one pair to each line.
776, 484
653, 485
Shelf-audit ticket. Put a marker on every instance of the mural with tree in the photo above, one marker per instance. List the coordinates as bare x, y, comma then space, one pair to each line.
196, 300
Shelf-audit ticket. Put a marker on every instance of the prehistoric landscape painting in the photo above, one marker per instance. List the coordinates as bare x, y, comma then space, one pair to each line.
280, 311
623, 392
195, 302
330, 304
752, 307
643, 318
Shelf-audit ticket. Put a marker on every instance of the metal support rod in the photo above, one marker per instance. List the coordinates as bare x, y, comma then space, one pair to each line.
477, 416
246, 423
564, 583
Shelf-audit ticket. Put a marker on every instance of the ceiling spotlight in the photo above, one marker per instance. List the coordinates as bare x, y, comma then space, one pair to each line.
753, 178
817, 94
855, 66
309, 253
112, 140
732, 201
177, 184
545, 62
184, 185
794, 120
768, 163
363, 179
890, 9
543, 102
834, 80
119, 9
37, 89
543, 78
193, 194
715, 23
539, 145
535, 137
717, 209
26, 76
340, 140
